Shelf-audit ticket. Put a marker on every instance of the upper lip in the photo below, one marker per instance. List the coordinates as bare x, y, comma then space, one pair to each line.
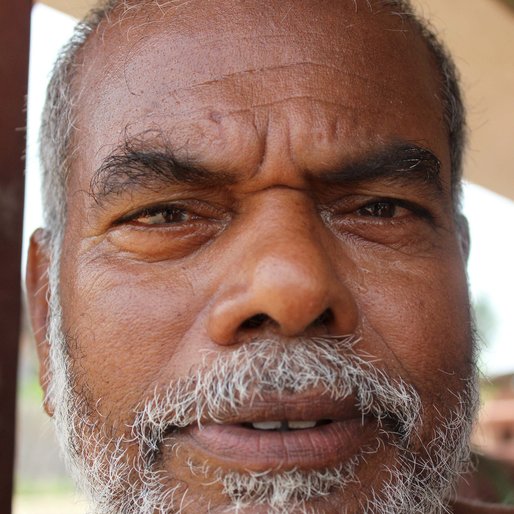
293, 407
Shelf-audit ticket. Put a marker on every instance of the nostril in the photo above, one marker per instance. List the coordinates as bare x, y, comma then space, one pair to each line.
324, 319
255, 321
258, 320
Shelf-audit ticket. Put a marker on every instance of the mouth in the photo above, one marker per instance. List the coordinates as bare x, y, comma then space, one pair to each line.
281, 434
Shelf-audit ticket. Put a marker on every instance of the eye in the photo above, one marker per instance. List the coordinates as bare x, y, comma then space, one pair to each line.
389, 208
160, 215
379, 209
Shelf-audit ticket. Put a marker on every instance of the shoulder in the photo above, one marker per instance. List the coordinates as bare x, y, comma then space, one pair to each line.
476, 507
486, 488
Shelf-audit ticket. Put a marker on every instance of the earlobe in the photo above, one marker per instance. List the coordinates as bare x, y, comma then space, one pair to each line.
463, 233
38, 263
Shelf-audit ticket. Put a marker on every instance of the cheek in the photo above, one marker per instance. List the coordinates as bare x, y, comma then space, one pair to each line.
415, 316
127, 327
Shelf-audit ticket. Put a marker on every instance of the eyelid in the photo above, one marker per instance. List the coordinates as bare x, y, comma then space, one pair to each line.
353, 204
193, 207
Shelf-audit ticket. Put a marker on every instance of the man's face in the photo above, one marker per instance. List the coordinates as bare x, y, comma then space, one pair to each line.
253, 183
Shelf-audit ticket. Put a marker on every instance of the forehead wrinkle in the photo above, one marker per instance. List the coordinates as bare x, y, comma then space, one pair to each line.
248, 91
382, 85
235, 48
279, 101
323, 46
210, 40
252, 109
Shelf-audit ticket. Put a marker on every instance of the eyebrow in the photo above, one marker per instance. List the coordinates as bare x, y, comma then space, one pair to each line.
399, 163
132, 167
136, 165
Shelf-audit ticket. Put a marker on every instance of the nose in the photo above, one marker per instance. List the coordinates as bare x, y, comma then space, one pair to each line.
284, 281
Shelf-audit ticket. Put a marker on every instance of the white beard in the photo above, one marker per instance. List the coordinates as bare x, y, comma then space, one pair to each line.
417, 483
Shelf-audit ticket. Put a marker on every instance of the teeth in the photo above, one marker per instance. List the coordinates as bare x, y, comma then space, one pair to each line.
301, 425
267, 425
283, 425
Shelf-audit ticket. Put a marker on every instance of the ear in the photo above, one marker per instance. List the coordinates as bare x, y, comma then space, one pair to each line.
463, 233
38, 264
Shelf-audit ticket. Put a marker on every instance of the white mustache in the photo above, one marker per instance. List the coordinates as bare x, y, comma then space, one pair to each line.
328, 365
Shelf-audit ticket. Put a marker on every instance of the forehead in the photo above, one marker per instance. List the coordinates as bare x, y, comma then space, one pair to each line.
217, 78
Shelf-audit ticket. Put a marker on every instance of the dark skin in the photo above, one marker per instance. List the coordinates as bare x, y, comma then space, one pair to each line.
300, 173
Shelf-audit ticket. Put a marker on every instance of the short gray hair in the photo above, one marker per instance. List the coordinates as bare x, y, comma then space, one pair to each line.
58, 121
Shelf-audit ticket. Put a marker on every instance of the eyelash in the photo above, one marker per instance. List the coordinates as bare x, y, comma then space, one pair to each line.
168, 212
169, 209
414, 208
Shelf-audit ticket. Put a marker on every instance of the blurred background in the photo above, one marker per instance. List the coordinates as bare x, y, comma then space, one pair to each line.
480, 34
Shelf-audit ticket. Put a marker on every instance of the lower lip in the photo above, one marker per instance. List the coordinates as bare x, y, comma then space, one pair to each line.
236, 447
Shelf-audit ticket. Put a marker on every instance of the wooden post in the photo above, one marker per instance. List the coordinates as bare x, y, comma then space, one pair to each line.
14, 56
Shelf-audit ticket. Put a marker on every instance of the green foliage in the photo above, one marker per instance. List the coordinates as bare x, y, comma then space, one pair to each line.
29, 390
486, 322
52, 487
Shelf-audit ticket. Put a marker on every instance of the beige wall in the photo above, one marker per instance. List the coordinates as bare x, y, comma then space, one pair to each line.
75, 8
480, 34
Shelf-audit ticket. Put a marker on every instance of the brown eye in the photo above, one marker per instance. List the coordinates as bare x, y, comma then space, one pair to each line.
162, 216
381, 209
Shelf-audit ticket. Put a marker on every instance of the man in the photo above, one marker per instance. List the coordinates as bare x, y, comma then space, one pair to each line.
250, 293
